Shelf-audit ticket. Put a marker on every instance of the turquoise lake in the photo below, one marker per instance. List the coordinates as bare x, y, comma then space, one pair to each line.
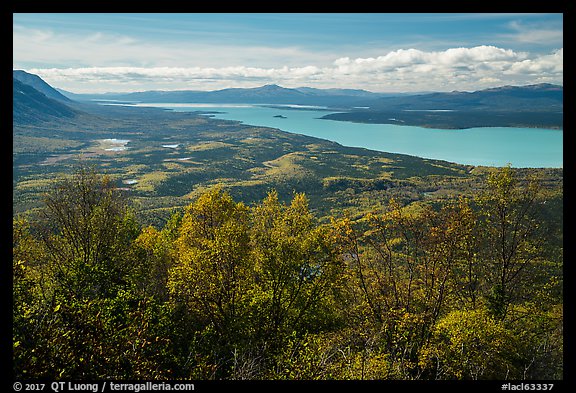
491, 146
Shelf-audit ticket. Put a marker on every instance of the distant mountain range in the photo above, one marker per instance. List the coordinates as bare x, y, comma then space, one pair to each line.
267, 94
538, 105
541, 97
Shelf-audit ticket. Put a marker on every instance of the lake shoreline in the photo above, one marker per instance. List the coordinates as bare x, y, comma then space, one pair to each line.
521, 147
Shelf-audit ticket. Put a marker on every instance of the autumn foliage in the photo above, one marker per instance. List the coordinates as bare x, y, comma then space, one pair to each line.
468, 289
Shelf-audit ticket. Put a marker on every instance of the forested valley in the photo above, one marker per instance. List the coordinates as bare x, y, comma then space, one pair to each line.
467, 287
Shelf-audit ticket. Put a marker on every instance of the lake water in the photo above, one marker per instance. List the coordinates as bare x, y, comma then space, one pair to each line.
491, 146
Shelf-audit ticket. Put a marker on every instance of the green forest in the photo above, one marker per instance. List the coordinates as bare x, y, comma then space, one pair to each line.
463, 288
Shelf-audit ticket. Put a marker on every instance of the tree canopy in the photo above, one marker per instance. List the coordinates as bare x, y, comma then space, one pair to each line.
466, 290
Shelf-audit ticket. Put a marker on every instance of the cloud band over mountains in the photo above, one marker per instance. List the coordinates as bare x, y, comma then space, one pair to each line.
458, 68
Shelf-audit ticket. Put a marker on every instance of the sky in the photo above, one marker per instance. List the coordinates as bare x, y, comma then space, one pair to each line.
379, 52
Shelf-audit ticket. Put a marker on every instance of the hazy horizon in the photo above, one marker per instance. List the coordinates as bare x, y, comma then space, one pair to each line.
298, 87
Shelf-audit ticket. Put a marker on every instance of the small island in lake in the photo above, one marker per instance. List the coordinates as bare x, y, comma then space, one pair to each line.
281, 116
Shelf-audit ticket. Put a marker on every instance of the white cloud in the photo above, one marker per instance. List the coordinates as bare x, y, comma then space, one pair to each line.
552, 64
428, 61
400, 70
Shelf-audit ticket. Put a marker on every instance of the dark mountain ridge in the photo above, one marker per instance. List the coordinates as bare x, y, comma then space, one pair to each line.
539, 106
30, 106
39, 84
267, 94
540, 97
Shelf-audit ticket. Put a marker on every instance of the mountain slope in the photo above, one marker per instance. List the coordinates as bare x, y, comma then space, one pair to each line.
29, 106
342, 92
39, 84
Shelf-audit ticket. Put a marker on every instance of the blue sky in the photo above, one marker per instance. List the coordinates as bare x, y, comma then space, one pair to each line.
377, 52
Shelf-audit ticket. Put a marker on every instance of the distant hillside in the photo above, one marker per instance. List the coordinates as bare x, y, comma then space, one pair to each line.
31, 106
342, 92
540, 98
268, 94
39, 84
538, 106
